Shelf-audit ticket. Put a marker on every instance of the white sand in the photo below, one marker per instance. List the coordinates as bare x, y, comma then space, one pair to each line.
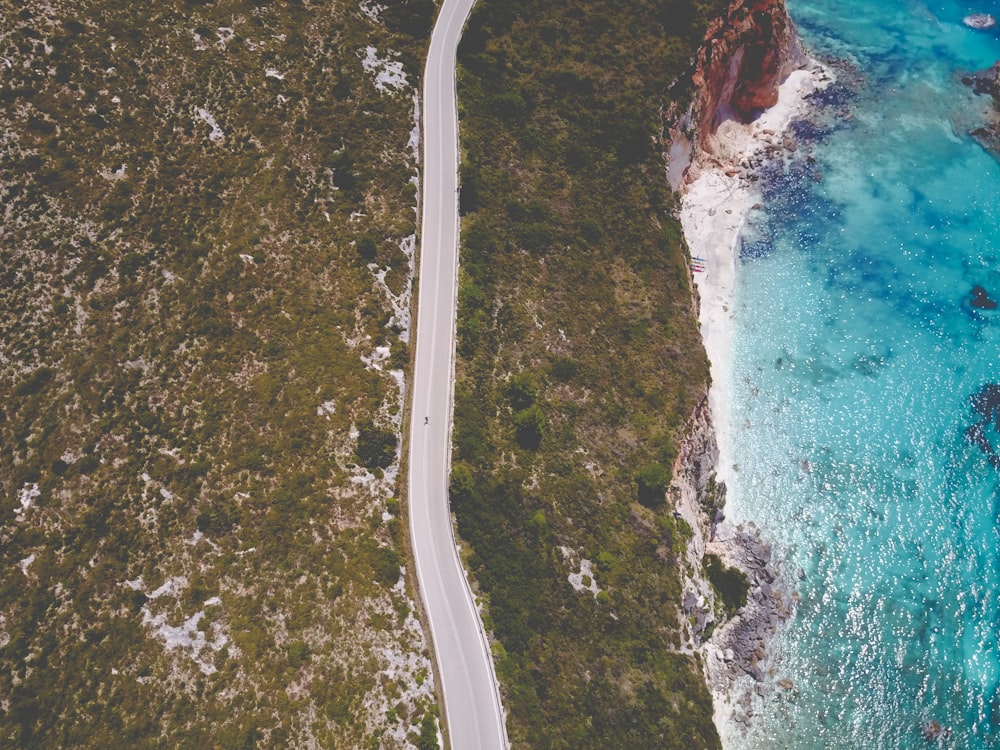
716, 197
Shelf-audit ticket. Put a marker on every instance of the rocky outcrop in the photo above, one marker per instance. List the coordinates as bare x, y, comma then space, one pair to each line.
987, 82
737, 662
747, 53
735, 648
694, 496
695, 465
980, 21
981, 299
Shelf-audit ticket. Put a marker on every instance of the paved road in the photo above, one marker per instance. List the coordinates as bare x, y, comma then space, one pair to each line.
472, 704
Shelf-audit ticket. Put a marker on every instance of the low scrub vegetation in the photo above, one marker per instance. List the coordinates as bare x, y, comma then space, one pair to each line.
579, 364
200, 540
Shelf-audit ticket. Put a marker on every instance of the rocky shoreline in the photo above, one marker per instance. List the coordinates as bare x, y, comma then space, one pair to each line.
737, 662
735, 649
753, 80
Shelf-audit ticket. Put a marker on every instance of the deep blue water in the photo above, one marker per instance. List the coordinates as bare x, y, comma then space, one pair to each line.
857, 356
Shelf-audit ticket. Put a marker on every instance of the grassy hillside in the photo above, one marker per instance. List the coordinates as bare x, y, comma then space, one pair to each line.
579, 362
207, 230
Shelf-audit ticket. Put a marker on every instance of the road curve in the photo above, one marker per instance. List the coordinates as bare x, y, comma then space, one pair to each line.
472, 709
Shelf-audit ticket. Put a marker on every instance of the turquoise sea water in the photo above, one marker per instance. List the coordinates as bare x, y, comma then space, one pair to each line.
856, 358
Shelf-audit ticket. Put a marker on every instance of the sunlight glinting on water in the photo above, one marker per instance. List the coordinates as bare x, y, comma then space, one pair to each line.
856, 359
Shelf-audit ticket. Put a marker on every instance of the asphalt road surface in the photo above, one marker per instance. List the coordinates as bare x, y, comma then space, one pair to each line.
472, 707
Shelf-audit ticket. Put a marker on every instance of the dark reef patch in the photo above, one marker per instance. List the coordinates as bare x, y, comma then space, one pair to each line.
986, 403
983, 434
808, 131
869, 365
787, 177
836, 94
755, 245
981, 299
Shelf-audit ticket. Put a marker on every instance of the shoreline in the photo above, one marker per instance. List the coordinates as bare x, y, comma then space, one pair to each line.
718, 191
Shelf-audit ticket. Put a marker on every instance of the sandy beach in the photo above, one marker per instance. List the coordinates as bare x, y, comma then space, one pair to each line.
717, 194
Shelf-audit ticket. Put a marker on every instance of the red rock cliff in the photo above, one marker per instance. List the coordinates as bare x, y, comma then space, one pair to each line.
748, 51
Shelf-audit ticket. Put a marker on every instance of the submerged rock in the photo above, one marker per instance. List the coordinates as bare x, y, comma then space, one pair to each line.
981, 299
986, 402
934, 731
988, 136
931, 730
987, 82
979, 21
976, 434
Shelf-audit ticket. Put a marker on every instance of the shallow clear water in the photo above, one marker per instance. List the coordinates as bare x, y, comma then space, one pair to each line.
856, 357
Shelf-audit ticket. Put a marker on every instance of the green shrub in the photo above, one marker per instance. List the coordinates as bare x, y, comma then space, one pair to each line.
376, 448
88, 464
605, 561
462, 484
216, 520
732, 584
412, 17
367, 248
564, 369
428, 733
35, 382
386, 565
521, 390
298, 654
651, 482
529, 424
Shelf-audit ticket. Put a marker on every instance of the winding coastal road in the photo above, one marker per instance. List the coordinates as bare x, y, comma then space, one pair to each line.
472, 710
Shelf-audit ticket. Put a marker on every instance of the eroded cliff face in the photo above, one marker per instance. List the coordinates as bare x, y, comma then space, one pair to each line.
697, 500
747, 53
